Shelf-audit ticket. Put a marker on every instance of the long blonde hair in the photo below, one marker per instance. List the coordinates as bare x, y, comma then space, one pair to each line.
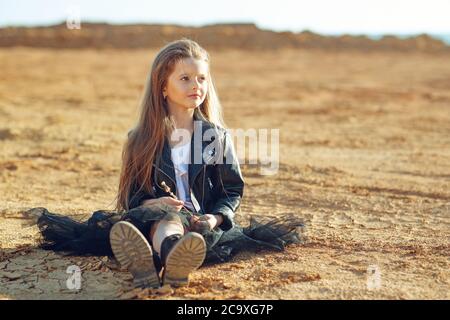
146, 140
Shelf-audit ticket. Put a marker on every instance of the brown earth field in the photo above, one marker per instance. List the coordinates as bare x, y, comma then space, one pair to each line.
364, 159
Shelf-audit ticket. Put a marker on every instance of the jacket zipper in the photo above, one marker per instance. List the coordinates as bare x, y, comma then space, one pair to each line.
190, 188
203, 186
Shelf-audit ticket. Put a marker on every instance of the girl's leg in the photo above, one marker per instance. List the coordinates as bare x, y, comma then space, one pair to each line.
164, 229
153, 229
168, 231
180, 253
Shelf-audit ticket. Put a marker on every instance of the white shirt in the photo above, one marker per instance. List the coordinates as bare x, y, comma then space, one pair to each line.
181, 156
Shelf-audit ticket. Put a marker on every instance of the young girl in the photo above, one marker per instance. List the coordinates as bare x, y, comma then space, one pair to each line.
179, 91
180, 184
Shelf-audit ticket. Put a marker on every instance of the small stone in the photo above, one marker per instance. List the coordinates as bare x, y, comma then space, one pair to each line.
226, 285
143, 293
31, 278
165, 290
104, 258
112, 264
130, 294
97, 266
12, 275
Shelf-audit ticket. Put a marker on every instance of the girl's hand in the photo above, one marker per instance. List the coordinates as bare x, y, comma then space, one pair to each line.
193, 223
164, 201
205, 222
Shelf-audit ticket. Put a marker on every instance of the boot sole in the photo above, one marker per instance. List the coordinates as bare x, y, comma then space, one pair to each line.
135, 254
186, 256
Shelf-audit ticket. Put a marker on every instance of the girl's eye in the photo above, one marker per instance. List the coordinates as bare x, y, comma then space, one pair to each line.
186, 78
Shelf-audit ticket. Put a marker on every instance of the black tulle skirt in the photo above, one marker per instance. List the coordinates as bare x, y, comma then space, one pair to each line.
91, 237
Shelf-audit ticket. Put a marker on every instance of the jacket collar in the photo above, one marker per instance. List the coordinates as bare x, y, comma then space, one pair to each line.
198, 145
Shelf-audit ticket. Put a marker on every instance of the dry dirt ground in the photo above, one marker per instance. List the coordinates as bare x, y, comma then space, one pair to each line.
364, 159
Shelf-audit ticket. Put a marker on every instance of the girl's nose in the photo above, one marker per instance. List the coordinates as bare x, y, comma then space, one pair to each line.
196, 84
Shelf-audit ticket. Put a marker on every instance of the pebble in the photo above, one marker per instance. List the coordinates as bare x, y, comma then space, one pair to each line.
12, 275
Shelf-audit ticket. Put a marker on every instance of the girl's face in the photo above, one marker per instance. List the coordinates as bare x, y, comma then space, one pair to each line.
187, 85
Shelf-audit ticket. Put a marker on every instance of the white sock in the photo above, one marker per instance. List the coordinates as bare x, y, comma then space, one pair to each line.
163, 230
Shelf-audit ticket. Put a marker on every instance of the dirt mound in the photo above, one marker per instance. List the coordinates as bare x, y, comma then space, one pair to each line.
218, 36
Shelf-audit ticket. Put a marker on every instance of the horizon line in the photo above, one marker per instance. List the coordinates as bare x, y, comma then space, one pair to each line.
259, 26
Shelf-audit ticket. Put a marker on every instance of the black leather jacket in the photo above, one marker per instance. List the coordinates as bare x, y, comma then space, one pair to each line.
216, 182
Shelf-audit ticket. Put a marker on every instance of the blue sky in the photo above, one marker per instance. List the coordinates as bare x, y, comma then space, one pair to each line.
324, 16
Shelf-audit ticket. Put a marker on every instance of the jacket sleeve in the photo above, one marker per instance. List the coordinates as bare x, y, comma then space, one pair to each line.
230, 183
